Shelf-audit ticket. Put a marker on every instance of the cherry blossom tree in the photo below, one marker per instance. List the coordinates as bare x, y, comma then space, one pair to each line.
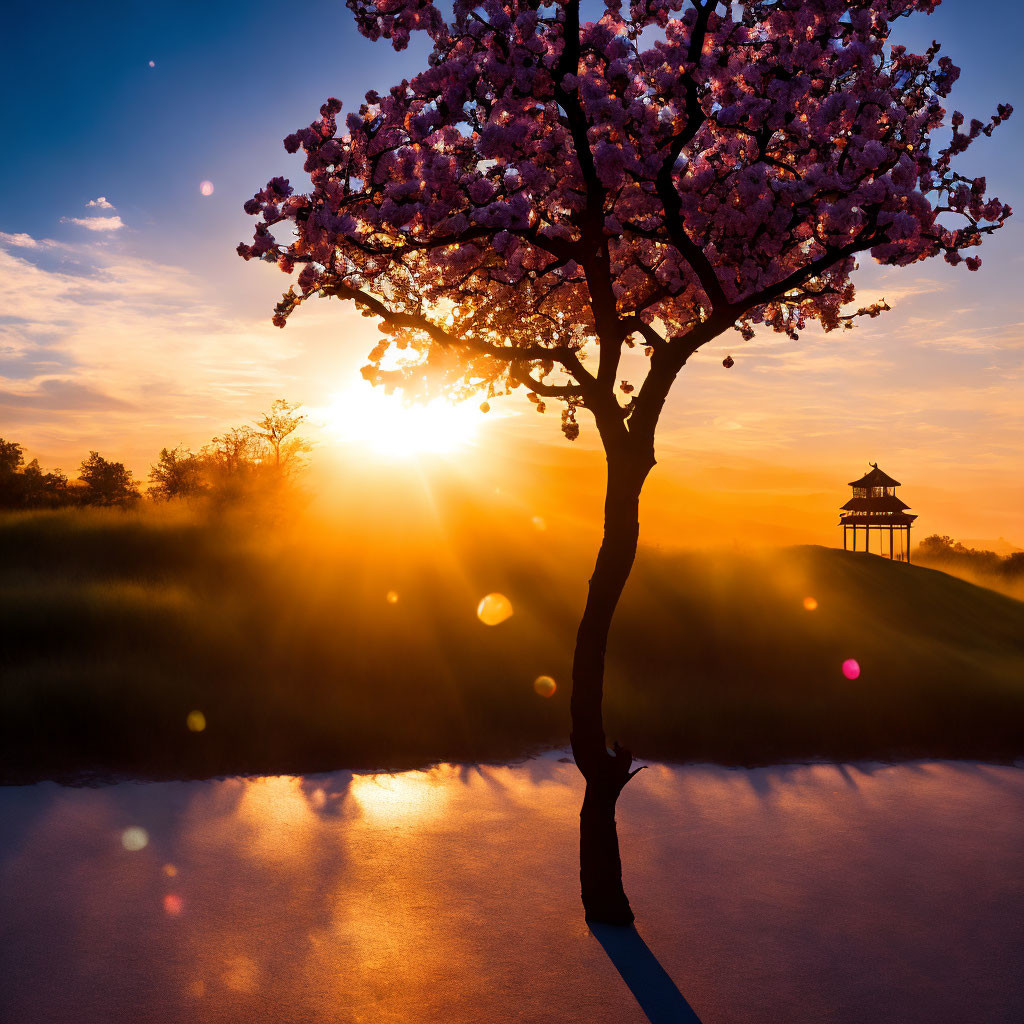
548, 193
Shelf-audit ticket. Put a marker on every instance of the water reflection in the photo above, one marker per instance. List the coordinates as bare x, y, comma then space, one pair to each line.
794, 894
408, 797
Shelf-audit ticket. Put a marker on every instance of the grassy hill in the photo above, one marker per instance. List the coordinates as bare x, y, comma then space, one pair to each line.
116, 626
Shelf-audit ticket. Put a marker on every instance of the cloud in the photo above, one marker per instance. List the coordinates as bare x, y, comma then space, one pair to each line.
102, 202
56, 393
19, 241
101, 349
95, 223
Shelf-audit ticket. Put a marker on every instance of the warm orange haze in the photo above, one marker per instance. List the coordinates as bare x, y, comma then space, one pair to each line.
750, 455
511, 512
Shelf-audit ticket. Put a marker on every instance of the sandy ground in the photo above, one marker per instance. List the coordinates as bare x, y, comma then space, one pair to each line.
856, 894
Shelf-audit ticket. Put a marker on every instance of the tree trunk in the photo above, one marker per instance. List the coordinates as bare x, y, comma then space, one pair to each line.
606, 772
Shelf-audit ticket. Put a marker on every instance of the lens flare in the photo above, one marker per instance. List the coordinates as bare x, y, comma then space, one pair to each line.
810, 603
173, 904
851, 669
494, 609
152, 63
545, 686
392, 597
206, 188
134, 839
196, 721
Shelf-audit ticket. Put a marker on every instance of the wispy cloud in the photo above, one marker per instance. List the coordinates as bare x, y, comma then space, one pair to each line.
102, 349
57, 394
95, 223
19, 241
102, 202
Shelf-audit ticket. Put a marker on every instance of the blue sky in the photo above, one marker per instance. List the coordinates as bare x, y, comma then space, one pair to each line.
156, 331
85, 115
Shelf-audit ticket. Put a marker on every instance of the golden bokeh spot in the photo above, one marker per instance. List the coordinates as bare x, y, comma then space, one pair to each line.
196, 721
810, 603
170, 871
392, 597
545, 686
494, 609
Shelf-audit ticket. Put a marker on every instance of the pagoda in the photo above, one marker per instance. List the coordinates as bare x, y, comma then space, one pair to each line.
874, 506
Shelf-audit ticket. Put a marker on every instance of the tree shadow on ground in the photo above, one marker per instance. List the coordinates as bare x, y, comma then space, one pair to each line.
649, 982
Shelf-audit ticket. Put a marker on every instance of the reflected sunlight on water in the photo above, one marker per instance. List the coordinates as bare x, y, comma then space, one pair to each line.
394, 798
793, 894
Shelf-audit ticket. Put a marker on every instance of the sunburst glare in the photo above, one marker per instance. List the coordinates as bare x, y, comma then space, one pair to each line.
386, 424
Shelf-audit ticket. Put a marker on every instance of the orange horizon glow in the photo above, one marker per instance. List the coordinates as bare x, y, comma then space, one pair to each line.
760, 453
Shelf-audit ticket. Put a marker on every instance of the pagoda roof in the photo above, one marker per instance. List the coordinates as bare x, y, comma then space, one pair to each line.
871, 519
887, 503
876, 478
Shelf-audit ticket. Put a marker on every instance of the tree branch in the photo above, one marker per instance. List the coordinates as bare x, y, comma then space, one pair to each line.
664, 183
514, 354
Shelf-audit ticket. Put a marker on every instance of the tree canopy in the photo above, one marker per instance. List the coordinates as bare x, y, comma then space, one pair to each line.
547, 192
107, 482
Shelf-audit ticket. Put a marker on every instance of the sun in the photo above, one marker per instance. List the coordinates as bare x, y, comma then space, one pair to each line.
365, 416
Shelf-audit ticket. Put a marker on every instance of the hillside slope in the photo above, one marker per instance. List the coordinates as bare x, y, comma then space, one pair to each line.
116, 627
744, 672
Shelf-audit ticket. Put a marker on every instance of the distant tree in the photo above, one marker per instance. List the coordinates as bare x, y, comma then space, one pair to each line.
178, 473
106, 483
11, 458
944, 551
28, 486
548, 193
44, 490
936, 546
278, 430
236, 452
1013, 565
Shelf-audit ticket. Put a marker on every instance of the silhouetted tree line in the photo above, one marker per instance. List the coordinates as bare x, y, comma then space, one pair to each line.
242, 459
952, 553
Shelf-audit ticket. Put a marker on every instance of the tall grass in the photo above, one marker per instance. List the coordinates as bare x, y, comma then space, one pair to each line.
117, 625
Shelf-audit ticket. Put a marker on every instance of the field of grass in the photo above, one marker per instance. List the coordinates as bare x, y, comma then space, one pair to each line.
117, 625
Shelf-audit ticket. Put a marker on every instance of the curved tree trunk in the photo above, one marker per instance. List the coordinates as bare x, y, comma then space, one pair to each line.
605, 772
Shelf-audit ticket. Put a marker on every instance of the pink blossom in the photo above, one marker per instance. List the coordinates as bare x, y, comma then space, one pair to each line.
723, 169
